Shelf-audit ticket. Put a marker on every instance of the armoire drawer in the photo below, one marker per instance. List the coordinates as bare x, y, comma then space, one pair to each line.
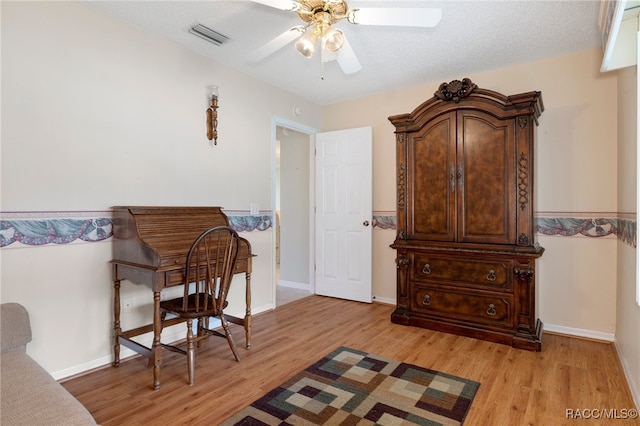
494, 274
491, 309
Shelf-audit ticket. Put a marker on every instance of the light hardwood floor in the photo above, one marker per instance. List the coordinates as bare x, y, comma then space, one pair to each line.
286, 295
517, 387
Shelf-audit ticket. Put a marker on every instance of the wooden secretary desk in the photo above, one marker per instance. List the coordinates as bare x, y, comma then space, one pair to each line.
150, 248
466, 253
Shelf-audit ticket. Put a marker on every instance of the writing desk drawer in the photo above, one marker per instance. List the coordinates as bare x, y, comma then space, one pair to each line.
176, 276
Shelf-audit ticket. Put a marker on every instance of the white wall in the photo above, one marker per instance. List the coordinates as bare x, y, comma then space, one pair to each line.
294, 209
576, 285
96, 113
627, 310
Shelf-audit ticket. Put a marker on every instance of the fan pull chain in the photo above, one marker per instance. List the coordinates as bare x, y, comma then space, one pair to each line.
322, 63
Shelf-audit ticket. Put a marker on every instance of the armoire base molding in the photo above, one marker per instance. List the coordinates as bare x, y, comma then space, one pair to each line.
530, 342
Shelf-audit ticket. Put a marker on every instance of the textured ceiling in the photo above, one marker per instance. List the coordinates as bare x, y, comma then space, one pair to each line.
472, 36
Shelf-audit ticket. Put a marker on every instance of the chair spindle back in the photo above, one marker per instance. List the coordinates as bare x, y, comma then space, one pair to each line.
210, 264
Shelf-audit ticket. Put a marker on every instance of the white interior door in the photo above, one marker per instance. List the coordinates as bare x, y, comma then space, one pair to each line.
344, 214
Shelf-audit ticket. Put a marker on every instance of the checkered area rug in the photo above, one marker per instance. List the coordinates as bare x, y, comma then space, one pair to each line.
350, 387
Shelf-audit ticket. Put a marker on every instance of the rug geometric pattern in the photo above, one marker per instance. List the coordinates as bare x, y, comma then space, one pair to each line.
350, 387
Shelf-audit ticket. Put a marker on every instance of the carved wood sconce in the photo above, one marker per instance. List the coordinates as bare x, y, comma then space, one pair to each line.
212, 115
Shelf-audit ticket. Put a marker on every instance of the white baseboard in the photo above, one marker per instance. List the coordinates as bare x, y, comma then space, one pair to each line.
579, 332
384, 300
169, 335
293, 284
265, 308
633, 387
146, 340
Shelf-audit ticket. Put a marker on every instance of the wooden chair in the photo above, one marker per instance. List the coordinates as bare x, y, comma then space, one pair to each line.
209, 269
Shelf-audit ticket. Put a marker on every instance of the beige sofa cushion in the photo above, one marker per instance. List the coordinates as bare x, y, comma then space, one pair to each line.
30, 396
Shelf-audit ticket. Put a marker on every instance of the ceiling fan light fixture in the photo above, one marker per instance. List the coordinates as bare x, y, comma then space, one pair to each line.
333, 40
306, 44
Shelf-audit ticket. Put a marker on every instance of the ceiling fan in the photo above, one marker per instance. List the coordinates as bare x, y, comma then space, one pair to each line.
319, 16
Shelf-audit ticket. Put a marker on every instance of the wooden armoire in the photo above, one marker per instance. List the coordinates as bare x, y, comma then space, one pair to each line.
465, 242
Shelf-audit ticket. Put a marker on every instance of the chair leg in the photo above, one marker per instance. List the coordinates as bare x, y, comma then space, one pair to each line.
191, 354
200, 331
227, 332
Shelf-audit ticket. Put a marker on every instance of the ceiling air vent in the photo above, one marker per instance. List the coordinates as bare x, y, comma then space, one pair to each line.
208, 34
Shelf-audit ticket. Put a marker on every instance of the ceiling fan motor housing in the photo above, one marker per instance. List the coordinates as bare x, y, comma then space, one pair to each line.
321, 12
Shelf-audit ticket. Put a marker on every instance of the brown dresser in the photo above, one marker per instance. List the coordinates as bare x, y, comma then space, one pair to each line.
466, 249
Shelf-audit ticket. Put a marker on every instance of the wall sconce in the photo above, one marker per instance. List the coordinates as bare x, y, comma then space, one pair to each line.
212, 114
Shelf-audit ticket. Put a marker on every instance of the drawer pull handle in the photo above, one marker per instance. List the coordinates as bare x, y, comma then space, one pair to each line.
427, 269
491, 310
491, 276
427, 300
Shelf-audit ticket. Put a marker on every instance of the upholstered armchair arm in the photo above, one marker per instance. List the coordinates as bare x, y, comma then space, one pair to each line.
15, 328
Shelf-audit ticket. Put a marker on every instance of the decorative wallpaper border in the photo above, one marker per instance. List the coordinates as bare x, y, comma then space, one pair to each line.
622, 226
243, 222
20, 229
384, 221
623, 229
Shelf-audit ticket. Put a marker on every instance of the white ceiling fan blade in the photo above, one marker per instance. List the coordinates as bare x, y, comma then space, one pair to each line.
279, 4
396, 16
277, 43
347, 59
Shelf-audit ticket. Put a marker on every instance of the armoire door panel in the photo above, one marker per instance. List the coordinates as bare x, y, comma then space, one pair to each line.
432, 197
485, 179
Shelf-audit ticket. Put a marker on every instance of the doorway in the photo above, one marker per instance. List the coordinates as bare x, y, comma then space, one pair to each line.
293, 199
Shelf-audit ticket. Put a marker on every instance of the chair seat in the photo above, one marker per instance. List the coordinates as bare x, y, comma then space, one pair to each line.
176, 306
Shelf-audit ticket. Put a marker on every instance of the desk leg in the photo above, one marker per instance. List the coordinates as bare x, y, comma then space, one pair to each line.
116, 323
156, 348
247, 316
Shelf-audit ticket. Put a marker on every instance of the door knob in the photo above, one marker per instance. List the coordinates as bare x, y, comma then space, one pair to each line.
365, 223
